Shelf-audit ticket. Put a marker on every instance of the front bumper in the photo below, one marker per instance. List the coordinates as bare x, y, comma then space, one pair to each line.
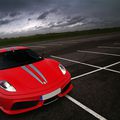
23, 103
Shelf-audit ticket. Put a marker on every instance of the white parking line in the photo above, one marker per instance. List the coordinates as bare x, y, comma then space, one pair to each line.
116, 63
85, 108
72, 42
43, 45
100, 68
92, 52
74, 61
82, 75
66, 42
115, 71
38, 46
77, 102
108, 47
51, 44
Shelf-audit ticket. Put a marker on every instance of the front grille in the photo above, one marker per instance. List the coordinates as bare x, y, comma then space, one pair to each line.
24, 105
48, 101
66, 87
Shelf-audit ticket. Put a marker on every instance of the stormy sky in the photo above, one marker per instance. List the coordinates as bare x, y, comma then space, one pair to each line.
28, 17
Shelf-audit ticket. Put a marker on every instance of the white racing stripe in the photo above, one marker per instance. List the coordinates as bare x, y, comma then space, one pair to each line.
31, 73
92, 52
38, 71
85, 108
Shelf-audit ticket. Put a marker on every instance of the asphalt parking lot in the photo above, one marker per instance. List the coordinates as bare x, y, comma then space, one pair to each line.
94, 64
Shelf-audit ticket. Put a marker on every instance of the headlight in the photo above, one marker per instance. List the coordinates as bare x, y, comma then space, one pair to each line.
62, 68
6, 86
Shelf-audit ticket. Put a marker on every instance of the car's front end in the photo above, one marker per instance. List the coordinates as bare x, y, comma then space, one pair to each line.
22, 102
28, 82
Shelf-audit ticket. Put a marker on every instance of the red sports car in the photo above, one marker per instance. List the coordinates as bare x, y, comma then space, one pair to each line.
29, 81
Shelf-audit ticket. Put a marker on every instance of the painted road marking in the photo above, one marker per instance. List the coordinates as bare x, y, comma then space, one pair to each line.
94, 71
43, 45
101, 68
116, 63
108, 47
74, 61
38, 46
88, 73
92, 52
85, 108
66, 42
51, 44
115, 71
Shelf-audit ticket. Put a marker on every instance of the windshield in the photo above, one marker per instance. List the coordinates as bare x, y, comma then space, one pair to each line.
17, 58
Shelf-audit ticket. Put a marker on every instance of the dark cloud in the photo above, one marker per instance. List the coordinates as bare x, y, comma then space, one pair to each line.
46, 13
29, 19
21, 5
68, 21
4, 22
75, 19
10, 5
43, 15
58, 14
14, 14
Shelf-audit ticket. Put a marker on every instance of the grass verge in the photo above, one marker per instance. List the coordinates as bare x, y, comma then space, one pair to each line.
53, 36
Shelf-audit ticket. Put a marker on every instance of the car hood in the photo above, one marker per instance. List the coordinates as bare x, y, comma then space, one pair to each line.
32, 77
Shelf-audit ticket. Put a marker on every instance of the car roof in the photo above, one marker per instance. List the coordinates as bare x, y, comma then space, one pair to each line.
13, 48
